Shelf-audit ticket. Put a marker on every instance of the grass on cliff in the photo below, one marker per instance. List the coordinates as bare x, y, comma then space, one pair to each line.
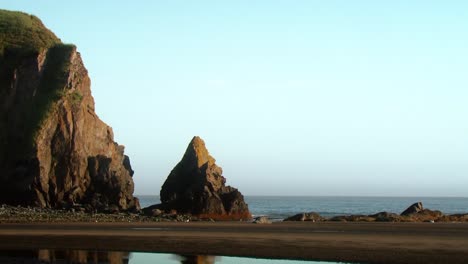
24, 33
51, 89
23, 36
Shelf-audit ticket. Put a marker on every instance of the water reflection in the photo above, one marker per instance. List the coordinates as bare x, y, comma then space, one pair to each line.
200, 259
44, 256
97, 257
63, 256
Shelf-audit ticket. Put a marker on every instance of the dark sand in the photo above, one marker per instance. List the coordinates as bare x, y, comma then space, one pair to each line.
347, 242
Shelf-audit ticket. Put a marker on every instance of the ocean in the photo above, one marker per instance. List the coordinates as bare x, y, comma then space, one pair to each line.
279, 207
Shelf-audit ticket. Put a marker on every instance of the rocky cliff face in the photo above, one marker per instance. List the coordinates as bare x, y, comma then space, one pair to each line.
54, 150
196, 186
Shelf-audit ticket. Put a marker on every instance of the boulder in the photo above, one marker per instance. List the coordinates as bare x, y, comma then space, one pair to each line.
427, 215
456, 218
262, 220
431, 213
413, 209
196, 186
312, 216
386, 217
197, 259
153, 210
417, 213
352, 218
55, 152
156, 212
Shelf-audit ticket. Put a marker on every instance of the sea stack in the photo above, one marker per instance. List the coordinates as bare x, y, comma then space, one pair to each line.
413, 209
196, 186
55, 152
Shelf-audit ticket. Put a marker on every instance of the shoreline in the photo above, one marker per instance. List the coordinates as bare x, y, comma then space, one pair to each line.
326, 241
19, 214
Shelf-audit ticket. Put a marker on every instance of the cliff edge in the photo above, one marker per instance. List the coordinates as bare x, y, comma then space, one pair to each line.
55, 152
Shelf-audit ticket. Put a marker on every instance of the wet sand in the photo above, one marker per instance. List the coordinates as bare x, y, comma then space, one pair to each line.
330, 241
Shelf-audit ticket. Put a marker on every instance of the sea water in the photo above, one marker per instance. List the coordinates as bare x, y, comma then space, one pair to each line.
280, 207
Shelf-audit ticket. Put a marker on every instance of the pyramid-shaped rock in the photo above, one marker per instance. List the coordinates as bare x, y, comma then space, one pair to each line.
196, 186
413, 209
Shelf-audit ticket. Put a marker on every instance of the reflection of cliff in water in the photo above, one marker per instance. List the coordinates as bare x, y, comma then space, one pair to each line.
63, 256
201, 259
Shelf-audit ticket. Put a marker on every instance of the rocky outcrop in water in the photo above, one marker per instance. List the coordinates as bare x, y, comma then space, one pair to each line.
262, 220
312, 216
414, 213
196, 186
55, 152
386, 217
413, 209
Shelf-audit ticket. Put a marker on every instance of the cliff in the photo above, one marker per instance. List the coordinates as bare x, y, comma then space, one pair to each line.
196, 186
54, 150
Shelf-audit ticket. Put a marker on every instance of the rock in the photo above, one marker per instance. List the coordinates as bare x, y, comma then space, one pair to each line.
134, 206
312, 216
413, 209
431, 213
352, 218
156, 212
386, 217
427, 215
456, 218
417, 213
54, 149
262, 220
113, 209
197, 259
338, 218
151, 210
196, 186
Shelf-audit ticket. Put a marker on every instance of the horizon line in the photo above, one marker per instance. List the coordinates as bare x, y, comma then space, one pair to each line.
357, 196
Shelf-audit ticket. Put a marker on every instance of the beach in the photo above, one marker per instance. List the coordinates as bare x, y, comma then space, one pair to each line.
329, 241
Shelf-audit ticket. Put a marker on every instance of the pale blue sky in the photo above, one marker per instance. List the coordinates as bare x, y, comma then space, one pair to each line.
291, 97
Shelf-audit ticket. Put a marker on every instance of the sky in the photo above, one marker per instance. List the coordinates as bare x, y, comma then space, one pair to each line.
364, 98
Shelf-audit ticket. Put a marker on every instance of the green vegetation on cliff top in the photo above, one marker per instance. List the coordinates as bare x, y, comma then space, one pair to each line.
22, 32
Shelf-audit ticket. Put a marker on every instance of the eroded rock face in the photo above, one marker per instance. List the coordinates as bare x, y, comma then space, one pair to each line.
56, 152
196, 186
